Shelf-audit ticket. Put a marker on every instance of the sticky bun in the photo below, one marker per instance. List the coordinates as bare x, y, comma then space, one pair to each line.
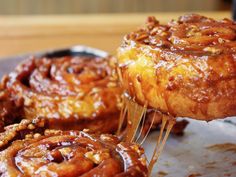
186, 68
71, 92
28, 150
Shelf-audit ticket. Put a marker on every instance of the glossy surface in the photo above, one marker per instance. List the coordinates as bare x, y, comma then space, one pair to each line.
72, 92
186, 68
10, 110
68, 153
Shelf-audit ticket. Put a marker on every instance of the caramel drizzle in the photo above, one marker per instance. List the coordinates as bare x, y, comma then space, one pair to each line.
135, 114
141, 127
124, 105
149, 129
122, 116
167, 123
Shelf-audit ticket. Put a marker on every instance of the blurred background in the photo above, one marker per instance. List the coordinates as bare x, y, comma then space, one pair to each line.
28, 26
26, 7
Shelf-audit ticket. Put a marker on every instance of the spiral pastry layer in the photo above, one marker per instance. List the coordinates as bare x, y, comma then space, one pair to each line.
186, 68
68, 153
71, 92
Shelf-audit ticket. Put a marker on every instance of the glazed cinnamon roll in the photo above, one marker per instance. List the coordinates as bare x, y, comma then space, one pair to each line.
186, 68
71, 92
67, 153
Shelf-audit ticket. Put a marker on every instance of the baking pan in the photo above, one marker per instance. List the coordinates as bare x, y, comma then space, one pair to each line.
7, 64
206, 149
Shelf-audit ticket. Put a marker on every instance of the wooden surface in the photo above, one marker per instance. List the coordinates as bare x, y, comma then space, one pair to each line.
25, 7
26, 34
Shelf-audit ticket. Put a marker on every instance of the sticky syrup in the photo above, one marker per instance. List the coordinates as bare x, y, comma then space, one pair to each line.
134, 113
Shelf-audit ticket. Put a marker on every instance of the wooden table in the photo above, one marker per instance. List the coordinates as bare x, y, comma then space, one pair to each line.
26, 34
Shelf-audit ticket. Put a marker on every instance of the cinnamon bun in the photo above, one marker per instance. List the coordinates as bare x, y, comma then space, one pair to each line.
186, 68
67, 153
71, 92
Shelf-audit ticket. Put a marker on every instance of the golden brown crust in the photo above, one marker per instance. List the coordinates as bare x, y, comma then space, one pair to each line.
68, 153
24, 129
186, 68
71, 92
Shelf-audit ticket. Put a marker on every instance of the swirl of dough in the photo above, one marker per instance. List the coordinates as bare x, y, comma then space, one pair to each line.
186, 68
72, 92
67, 153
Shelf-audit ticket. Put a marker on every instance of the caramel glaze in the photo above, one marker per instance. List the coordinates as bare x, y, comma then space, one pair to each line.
10, 111
68, 153
186, 68
71, 92
178, 128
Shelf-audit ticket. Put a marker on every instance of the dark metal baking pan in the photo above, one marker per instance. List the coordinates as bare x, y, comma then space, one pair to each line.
8, 63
